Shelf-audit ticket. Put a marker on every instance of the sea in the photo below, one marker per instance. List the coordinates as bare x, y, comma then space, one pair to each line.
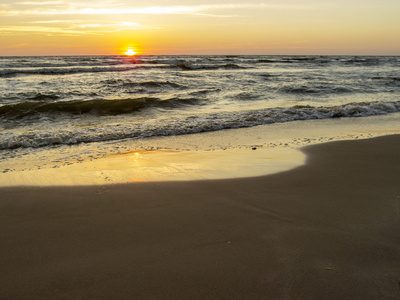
69, 104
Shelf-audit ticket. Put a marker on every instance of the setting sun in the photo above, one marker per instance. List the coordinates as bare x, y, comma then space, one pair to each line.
130, 51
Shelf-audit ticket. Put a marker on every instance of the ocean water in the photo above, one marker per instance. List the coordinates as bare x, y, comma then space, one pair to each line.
49, 103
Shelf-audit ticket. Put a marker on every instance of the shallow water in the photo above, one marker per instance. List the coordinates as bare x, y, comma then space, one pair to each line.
68, 100
68, 109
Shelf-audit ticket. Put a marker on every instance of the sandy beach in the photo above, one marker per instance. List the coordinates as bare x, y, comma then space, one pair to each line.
326, 230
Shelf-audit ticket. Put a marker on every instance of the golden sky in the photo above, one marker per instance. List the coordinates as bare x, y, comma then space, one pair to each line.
96, 27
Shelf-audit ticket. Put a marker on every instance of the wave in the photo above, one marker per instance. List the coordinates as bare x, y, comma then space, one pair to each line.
300, 90
95, 107
288, 59
67, 61
144, 84
302, 58
67, 65
270, 61
191, 66
363, 61
42, 97
62, 71
184, 66
190, 124
387, 81
154, 84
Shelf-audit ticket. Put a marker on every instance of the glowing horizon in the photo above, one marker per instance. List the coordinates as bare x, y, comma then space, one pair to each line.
130, 51
89, 27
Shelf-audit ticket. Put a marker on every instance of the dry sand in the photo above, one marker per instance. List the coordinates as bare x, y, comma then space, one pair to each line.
327, 230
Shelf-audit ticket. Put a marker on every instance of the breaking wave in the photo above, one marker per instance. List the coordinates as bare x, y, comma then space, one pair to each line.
95, 107
184, 66
182, 125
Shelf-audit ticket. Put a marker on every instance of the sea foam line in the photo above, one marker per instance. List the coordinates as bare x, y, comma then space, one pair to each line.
181, 125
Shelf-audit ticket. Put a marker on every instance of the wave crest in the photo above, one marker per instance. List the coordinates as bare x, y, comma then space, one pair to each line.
95, 107
191, 124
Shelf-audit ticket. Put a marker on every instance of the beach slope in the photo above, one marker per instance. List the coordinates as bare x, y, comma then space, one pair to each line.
325, 230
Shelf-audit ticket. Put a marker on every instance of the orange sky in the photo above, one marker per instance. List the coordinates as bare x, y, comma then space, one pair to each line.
89, 27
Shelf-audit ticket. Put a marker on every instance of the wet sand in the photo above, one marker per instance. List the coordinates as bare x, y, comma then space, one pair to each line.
325, 230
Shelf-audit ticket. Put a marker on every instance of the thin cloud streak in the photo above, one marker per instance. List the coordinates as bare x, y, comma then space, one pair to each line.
157, 10
39, 29
40, 3
77, 29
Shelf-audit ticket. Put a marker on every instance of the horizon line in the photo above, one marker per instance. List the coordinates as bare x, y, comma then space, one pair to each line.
44, 55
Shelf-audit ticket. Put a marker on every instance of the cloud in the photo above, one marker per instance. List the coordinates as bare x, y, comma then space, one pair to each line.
14, 29
40, 3
72, 27
53, 21
115, 9
103, 11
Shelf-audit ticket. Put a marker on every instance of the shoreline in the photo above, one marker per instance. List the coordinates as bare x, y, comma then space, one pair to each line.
210, 155
325, 230
161, 165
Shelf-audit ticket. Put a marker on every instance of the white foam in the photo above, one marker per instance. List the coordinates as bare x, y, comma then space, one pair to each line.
211, 155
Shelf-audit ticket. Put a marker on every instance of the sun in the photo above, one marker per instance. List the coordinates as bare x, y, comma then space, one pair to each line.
130, 51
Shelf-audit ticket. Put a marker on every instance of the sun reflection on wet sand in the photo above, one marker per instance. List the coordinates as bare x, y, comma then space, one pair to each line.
162, 165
